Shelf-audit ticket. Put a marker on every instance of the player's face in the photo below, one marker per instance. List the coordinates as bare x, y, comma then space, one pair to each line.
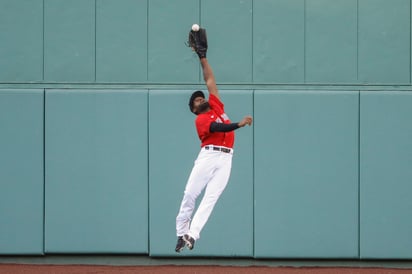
200, 104
198, 101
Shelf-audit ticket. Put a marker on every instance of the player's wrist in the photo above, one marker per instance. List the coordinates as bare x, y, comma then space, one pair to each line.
201, 54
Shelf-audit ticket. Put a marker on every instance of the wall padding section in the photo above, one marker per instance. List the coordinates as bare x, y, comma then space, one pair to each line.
331, 41
121, 41
169, 60
306, 174
69, 40
173, 150
96, 171
278, 41
21, 36
230, 51
384, 41
262, 42
386, 175
21, 171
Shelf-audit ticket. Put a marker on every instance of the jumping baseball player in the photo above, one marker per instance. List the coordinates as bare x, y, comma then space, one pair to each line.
212, 167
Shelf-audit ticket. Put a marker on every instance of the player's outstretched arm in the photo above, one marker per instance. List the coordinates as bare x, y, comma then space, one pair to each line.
209, 77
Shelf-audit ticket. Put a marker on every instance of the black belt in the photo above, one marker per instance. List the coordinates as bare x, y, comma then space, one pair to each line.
222, 149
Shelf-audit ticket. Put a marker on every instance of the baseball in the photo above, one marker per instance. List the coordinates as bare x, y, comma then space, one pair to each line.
195, 27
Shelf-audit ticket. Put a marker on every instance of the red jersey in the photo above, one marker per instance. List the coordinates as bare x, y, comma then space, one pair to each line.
216, 114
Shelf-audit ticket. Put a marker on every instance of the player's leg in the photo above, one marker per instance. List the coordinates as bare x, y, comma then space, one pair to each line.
199, 177
213, 191
195, 184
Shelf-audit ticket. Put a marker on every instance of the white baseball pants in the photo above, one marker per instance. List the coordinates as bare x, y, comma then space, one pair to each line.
211, 170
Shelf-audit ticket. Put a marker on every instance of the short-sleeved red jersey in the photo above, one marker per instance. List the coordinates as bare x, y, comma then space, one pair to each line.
216, 114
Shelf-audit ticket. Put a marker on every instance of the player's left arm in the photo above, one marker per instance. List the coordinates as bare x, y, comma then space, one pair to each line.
209, 77
221, 127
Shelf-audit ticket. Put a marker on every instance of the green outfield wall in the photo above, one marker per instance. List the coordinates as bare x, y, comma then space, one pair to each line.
97, 141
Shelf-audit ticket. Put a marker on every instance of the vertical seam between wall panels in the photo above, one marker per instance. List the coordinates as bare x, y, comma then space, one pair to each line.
44, 11
359, 177
147, 43
252, 42
304, 41
253, 140
148, 170
148, 129
357, 41
359, 130
410, 37
199, 75
357, 80
95, 40
44, 170
253, 176
44, 140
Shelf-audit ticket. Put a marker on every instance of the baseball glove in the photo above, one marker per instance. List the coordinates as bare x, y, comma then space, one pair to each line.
198, 42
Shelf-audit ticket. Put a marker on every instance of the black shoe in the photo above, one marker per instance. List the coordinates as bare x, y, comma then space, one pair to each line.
190, 242
180, 244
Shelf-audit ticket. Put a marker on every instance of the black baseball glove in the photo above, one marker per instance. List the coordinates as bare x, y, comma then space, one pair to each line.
198, 42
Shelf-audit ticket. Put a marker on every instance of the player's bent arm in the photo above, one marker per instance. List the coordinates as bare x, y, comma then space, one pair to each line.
221, 127
209, 78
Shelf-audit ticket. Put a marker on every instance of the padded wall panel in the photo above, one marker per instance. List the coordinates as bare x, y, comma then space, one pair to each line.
69, 40
96, 171
21, 172
21, 36
384, 41
121, 41
278, 41
173, 151
306, 174
386, 175
229, 27
331, 41
169, 59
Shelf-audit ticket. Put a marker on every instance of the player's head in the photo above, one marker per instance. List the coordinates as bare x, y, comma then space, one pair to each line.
198, 103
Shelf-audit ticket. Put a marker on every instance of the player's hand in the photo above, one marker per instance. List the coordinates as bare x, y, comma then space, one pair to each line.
247, 120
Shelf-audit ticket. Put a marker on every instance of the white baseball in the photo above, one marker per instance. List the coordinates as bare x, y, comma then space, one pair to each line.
195, 27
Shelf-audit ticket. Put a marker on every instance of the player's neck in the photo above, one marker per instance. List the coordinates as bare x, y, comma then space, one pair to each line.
205, 111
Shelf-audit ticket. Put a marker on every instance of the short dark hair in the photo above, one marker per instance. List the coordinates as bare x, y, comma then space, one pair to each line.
195, 94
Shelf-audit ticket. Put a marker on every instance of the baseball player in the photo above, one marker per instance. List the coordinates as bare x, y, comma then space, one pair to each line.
212, 167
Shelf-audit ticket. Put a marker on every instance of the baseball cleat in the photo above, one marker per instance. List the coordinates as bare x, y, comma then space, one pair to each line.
190, 242
180, 244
